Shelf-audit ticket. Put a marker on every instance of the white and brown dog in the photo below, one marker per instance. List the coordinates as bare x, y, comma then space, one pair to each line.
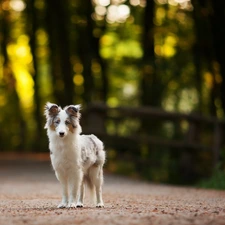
76, 159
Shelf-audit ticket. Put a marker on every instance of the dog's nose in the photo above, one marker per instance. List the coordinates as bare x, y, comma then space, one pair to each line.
61, 134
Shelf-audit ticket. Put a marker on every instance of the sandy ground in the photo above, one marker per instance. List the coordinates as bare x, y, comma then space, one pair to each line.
29, 194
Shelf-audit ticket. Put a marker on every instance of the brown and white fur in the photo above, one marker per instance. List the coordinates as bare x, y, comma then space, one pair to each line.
76, 159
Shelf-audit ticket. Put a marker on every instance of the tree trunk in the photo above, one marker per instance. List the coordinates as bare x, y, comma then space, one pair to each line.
57, 22
218, 30
150, 84
85, 50
204, 49
16, 129
32, 16
88, 50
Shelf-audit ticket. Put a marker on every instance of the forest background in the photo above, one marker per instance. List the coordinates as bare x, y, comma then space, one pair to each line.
167, 54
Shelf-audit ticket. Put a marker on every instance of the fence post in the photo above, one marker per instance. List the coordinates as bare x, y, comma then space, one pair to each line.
191, 136
217, 142
96, 114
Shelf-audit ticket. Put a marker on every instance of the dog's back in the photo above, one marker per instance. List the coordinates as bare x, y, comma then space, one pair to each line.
92, 151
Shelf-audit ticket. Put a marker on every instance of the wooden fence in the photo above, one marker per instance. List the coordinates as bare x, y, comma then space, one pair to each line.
198, 132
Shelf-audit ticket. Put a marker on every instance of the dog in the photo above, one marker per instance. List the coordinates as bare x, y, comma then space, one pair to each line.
76, 159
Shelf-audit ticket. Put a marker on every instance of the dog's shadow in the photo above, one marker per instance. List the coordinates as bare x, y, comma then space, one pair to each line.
55, 209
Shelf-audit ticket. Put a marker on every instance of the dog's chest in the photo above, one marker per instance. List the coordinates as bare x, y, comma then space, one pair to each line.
65, 157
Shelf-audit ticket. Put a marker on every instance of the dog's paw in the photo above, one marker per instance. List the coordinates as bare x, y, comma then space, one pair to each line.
62, 205
100, 205
71, 205
80, 205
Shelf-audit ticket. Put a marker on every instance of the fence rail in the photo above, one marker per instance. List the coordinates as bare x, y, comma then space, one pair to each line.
96, 117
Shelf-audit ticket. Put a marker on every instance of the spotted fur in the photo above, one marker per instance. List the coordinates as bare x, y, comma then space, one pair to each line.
77, 159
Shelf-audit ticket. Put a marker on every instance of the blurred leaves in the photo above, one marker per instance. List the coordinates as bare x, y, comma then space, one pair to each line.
163, 53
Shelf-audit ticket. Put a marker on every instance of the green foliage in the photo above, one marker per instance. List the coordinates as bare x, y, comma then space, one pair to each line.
217, 178
95, 51
215, 181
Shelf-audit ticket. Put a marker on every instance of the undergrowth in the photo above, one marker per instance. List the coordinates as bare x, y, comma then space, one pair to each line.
216, 181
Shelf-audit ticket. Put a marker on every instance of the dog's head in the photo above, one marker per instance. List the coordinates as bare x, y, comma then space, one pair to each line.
62, 121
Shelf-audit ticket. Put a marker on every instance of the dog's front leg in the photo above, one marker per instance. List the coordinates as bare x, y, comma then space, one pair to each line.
63, 182
74, 187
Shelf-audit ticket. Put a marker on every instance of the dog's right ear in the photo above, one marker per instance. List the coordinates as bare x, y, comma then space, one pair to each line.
73, 110
51, 109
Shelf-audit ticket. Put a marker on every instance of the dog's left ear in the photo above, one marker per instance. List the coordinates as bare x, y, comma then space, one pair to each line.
73, 110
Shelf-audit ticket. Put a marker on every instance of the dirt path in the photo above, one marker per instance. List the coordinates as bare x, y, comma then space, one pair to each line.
29, 193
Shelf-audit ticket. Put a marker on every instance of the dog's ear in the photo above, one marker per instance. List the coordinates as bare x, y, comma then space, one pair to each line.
51, 109
73, 110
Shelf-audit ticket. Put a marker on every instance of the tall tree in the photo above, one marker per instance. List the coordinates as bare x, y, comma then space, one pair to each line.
209, 20
17, 129
149, 81
57, 20
88, 51
85, 49
31, 14
218, 30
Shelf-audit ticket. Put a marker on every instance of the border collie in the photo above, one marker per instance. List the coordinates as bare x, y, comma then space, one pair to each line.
76, 159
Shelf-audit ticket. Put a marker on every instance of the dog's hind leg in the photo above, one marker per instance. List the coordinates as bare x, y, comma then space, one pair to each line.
80, 202
96, 176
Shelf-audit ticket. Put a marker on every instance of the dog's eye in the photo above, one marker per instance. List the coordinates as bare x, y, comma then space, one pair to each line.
67, 122
57, 121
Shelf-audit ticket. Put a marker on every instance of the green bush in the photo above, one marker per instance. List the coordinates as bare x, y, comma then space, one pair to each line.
216, 181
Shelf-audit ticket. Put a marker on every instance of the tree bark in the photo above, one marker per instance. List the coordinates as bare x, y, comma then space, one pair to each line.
57, 22
218, 30
149, 83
